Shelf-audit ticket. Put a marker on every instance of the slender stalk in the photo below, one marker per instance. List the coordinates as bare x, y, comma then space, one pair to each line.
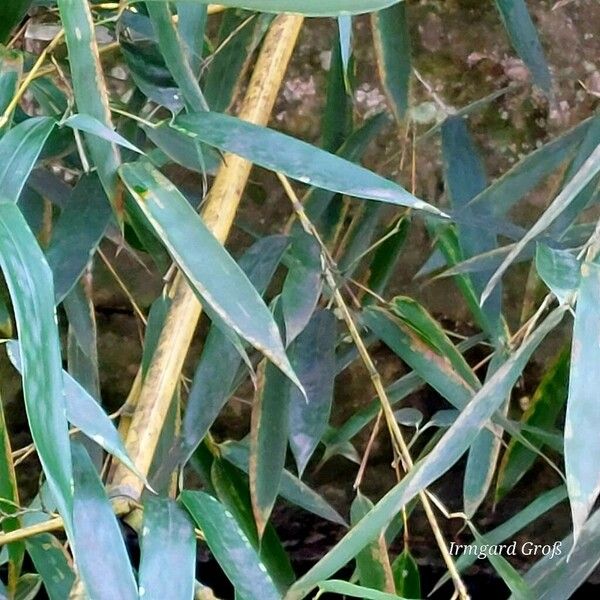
219, 212
396, 434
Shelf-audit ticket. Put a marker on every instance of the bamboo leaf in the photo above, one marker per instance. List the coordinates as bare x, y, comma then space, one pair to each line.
441, 458
90, 91
524, 38
313, 358
406, 575
213, 274
102, 559
560, 271
392, 51
51, 562
299, 160
581, 442
310, 8
230, 547
29, 282
337, 586
19, 151
192, 17
11, 71
168, 546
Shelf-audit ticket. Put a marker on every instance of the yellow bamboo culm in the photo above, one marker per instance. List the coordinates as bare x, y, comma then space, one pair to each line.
218, 214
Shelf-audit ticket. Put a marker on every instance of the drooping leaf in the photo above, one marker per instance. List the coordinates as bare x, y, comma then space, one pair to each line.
230, 547
337, 586
299, 160
313, 358
90, 91
29, 282
392, 51
191, 23
581, 442
213, 274
524, 38
406, 575
19, 151
168, 547
441, 458
559, 269
544, 408
52, 563
102, 559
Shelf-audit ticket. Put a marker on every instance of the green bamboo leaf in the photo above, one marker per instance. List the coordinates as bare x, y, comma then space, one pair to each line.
508, 529
19, 151
232, 490
213, 274
291, 488
505, 570
299, 160
303, 284
567, 566
313, 358
90, 91
559, 270
76, 234
406, 575
168, 546
372, 562
28, 587
93, 126
11, 71
310, 8
52, 563
173, 51
216, 373
268, 440
546, 404
11, 14
29, 282
83, 412
9, 500
568, 194
230, 547
392, 51
102, 559
507, 190
192, 17
524, 38
581, 442
235, 42
441, 458
337, 586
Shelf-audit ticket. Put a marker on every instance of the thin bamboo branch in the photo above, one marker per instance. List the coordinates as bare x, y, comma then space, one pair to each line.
219, 212
386, 407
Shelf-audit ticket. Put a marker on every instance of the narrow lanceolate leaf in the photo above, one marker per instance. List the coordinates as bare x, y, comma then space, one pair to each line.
76, 234
344, 588
90, 90
546, 404
268, 441
582, 444
19, 151
220, 361
303, 284
524, 38
83, 412
291, 489
560, 271
9, 500
445, 454
29, 282
310, 8
102, 559
313, 358
11, 71
230, 547
52, 563
392, 51
586, 173
372, 562
168, 552
211, 271
173, 51
191, 24
299, 160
